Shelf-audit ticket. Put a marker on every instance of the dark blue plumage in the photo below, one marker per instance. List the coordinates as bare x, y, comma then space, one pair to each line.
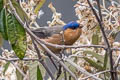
72, 25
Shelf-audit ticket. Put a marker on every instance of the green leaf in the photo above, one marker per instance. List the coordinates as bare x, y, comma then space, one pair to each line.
39, 6
106, 61
6, 67
3, 24
72, 68
1, 5
39, 75
33, 70
95, 39
98, 29
114, 34
16, 36
1, 40
94, 64
19, 10
118, 27
19, 75
96, 55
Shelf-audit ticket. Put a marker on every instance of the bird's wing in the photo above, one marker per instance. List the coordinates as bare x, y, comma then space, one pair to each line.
44, 32
54, 39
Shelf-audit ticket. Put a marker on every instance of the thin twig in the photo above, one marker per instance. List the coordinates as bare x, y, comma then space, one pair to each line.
101, 26
16, 59
99, 9
12, 62
95, 74
59, 61
103, 1
109, 50
23, 74
52, 61
113, 74
42, 61
117, 62
81, 69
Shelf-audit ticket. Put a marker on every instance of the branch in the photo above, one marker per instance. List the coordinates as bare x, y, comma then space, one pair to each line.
117, 62
12, 62
16, 59
23, 74
101, 26
82, 69
113, 74
59, 61
42, 61
109, 50
95, 74
99, 8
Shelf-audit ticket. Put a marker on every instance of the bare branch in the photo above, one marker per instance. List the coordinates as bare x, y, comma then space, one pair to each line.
23, 74
95, 74
109, 50
42, 61
117, 62
16, 59
82, 69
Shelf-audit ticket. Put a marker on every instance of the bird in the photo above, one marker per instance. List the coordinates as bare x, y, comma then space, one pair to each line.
71, 32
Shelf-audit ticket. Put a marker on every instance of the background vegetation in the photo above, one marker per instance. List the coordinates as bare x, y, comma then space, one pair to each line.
94, 56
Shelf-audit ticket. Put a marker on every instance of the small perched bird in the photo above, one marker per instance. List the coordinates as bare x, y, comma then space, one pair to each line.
71, 32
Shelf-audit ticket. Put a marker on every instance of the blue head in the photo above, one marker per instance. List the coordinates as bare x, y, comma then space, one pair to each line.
72, 25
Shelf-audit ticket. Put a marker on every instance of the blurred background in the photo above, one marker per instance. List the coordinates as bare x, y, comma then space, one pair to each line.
65, 7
